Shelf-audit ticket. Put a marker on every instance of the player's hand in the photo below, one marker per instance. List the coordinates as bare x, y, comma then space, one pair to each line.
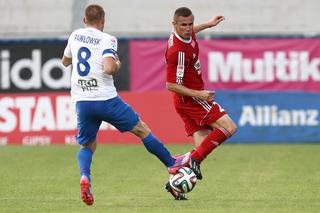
207, 95
215, 20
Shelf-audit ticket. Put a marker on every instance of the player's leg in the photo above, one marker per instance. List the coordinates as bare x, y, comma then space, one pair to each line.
84, 160
200, 135
199, 115
124, 118
152, 143
84, 157
223, 128
198, 138
154, 146
86, 137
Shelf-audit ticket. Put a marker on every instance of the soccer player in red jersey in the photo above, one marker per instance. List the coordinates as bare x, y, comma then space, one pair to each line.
205, 120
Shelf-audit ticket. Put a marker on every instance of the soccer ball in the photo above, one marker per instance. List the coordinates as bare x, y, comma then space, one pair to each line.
184, 180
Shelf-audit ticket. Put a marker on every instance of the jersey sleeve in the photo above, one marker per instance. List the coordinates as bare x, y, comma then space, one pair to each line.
110, 47
175, 67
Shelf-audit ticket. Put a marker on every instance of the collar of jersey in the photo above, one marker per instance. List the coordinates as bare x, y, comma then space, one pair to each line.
182, 39
92, 28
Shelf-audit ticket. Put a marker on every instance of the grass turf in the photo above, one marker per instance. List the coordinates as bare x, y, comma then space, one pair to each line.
237, 178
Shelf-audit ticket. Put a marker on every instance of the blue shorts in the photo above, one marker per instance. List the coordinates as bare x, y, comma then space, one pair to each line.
115, 111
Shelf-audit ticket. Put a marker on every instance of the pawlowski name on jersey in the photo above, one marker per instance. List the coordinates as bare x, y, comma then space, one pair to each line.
87, 47
183, 64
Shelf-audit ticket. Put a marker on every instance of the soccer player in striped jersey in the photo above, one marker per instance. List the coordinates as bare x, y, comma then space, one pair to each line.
94, 59
205, 120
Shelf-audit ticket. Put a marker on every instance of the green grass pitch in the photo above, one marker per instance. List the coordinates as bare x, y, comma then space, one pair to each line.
126, 178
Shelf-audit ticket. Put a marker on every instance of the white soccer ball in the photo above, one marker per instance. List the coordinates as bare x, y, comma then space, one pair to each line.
183, 181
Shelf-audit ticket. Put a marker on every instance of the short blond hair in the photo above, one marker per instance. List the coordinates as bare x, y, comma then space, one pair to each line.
94, 13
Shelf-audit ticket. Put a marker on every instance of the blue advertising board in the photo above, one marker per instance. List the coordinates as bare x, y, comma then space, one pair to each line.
273, 117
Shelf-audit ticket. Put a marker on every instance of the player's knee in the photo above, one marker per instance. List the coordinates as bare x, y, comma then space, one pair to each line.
141, 129
232, 128
145, 127
92, 146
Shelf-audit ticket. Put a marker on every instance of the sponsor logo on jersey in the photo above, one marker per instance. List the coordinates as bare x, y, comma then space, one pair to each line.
88, 85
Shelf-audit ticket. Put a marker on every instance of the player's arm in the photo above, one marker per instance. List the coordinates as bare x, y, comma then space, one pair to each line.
175, 73
111, 62
184, 91
66, 61
214, 21
111, 65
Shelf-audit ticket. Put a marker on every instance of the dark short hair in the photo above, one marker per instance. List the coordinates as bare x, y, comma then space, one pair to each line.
182, 11
94, 13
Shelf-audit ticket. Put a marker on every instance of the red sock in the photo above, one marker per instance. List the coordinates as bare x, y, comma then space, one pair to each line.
214, 139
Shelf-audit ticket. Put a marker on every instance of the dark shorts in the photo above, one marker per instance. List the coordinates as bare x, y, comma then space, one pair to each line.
90, 114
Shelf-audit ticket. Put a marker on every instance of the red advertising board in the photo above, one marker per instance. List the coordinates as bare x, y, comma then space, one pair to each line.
49, 118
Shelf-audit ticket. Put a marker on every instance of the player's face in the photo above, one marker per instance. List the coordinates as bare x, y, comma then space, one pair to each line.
184, 26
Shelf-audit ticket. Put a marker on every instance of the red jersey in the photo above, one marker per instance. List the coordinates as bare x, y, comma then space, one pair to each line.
183, 64
183, 67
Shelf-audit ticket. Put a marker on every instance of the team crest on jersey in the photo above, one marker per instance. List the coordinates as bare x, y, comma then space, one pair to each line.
197, 66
